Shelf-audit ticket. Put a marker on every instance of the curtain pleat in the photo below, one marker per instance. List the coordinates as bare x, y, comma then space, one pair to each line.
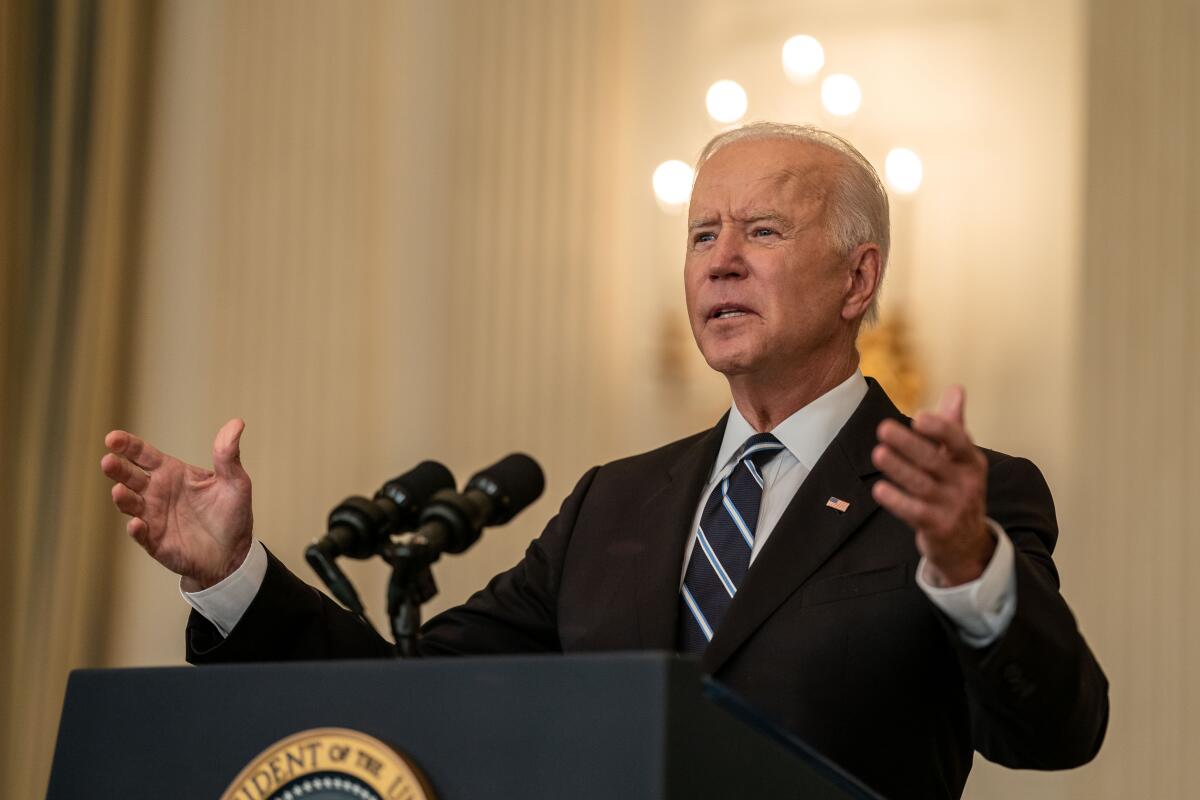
75, 110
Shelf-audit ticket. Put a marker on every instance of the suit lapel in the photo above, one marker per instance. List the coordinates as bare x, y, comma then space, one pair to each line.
665, 520
809, 532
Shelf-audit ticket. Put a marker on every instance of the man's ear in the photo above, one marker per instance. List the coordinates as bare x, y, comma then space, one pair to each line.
865, 271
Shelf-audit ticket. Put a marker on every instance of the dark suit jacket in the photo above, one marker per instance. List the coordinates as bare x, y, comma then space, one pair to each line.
829, 633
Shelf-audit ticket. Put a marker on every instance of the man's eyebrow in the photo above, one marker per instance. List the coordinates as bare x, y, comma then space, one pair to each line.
762, 216
745, 218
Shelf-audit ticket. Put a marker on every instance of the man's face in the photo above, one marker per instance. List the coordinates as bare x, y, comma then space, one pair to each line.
765, 288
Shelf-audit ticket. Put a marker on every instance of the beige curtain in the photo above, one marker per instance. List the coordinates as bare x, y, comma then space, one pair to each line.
73, 95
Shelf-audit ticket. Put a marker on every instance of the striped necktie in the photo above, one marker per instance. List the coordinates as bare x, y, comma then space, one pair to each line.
724, 541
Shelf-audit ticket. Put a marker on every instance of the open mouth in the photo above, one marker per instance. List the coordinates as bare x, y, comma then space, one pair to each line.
728, 312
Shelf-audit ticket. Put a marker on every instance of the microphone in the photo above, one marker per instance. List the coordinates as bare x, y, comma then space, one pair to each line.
358, 526
403, 498
452, 522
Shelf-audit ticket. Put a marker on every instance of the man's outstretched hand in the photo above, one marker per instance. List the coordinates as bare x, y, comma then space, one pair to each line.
196, 522
936, 481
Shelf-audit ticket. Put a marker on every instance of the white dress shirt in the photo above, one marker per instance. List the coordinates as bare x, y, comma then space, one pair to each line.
982, 609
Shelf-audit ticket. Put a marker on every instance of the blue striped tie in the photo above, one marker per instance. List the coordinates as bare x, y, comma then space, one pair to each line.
724, 540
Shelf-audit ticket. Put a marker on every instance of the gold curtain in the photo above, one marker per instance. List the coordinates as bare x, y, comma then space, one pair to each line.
74, 90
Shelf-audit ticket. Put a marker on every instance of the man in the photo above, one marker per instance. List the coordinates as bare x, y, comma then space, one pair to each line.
883, 590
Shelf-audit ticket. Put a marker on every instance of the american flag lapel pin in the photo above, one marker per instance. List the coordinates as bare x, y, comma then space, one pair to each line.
837, 504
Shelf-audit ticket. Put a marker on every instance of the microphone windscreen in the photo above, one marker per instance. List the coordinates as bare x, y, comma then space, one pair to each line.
512, 483
412, 490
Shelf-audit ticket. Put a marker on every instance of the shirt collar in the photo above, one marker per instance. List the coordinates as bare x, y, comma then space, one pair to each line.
805, 433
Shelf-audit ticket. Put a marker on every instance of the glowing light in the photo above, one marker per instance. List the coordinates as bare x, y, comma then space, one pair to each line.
903, 170
673, 183
726, 101
803, 58
841, 95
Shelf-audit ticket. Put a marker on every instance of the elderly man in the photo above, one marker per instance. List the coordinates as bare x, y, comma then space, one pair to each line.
881, 587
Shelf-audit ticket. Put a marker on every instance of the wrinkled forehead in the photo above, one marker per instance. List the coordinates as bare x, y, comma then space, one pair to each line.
784, 176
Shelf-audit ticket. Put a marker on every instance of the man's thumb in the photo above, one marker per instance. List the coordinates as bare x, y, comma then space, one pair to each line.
227, 451
951, 404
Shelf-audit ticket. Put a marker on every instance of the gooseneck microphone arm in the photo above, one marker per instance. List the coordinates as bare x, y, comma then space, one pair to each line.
450, 523
353, 525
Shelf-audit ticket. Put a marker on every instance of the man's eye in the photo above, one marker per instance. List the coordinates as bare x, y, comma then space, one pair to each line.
704, 237
761, 232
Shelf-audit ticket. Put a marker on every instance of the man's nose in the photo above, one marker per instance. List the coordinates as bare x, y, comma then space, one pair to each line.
727, 257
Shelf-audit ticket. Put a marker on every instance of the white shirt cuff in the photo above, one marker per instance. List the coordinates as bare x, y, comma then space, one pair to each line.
983, 608
224, 603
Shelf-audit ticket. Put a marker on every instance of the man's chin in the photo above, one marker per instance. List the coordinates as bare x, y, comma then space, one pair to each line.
731, 363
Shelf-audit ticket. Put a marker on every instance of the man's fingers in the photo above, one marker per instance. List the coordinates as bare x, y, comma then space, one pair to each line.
121, 470
227, 452
945, 432
915, 512
137, 528
914, 447
904, 473
128, 501
136, 450
948, 424
952, 404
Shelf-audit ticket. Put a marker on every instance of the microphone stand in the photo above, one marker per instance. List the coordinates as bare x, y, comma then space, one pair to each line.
410, 586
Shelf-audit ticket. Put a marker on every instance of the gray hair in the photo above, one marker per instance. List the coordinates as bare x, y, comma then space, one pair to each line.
859, 203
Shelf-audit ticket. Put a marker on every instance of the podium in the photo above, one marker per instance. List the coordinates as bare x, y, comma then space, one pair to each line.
643, 725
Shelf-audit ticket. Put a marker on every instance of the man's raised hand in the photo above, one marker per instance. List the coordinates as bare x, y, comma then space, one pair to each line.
936, 481
196, 522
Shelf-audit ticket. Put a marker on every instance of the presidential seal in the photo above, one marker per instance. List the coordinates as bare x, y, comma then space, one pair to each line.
329, 764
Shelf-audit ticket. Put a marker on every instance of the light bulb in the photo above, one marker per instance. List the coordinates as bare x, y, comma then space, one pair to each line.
726, 101
903, 170
841, 95
803, 58
673, 183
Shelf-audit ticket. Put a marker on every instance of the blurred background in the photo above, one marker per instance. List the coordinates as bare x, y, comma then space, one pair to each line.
382, 232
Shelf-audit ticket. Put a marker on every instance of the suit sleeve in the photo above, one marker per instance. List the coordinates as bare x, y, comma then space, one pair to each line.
289, 620
1038, 698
